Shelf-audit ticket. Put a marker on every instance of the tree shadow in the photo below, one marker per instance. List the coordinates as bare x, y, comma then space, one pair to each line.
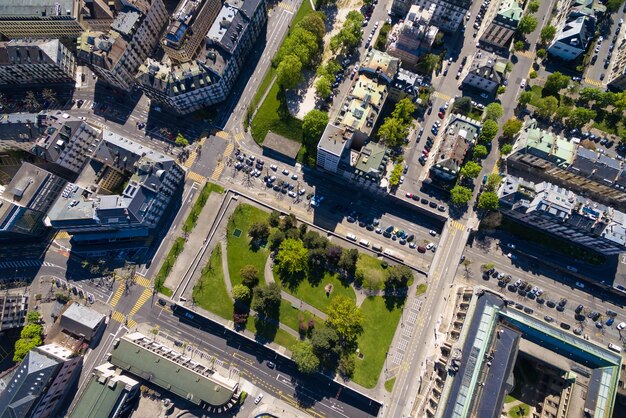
266, 329
394, 297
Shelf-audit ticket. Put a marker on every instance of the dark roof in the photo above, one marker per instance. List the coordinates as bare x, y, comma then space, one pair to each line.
281, 145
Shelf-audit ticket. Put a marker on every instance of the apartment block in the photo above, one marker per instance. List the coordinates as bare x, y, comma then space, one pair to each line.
486, 73
413, 37
503, 25
561, 212
447, 15
41, 383
188, 27
209, 76
13, 310
616, 78
573, 35
121, 194
36, 61
26, 200
40, 19
115, 55
541, 155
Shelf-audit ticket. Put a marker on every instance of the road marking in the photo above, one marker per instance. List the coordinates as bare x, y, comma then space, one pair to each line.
593, 82
147, 293
457, 225
218, 171
239, 137
62, 235
223, 134
196, 177
442, 96
132, 323
527, 54
142, 281
118, 316
117, 295
286, 7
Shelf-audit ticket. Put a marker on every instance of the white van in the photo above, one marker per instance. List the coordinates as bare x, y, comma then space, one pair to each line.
615, 348
351, 237
364, 243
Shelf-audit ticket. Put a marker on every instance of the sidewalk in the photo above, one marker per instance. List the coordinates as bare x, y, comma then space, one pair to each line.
194, 242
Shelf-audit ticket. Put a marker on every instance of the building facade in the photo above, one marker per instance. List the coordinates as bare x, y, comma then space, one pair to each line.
82, 321
564, 214
116, 55
210, 75
485, 74
41, 19
447, 15
13, 309
503, 25
459, 135
36, 61
573, 37
413, 37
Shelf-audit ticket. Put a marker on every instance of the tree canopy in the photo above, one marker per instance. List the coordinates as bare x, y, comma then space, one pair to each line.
404, 110
289, 72
322, 87
546, 106
555, 82
479, 152
580, 117
393, 132
349, 35
471, 170
292, 257
241, 293
345, 318
613, 6
488, 131
488, 201
249, 275
302, 354
429, 63
313, 125
267, 299
527, 24
460, 195
462, 105
494, 111
547, 34
533, 6
511, 127
259, 231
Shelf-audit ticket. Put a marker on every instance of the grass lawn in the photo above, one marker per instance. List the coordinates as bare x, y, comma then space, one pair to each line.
239, 252
279, 337
316, 295
291, 316
210, 291
421, 289
380, 325
372, 272
537, 92
518, 411
389, 384
267, 119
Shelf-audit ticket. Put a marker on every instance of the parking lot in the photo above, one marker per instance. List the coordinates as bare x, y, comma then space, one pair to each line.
604, 48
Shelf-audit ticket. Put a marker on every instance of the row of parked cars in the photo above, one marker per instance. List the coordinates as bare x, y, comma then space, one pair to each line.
424, 201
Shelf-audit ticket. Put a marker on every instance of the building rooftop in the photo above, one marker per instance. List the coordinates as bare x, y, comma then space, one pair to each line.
126, 22
509, 13
461, 132
335, 139
372, 161
84, 315
172, 370
596, 166
380, 64
279, 143
30, 51
362, 106
181, 21
577, 32
486, 66
30, 187
545, 145
38, 8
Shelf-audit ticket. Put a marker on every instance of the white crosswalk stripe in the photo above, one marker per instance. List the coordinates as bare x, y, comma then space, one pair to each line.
24, 263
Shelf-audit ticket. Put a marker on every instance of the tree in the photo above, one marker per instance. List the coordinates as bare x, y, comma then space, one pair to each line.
493, 182
274, 218
488, 201
555, 82
31, 331
312, 240
22, 347
562, 112
398, 276
347, 261
527, 24
289, 72
302, 354
542, 53
519, 46
501, 90
471, 170
506, 149
292, 257
30, 101
347, 365
525, 98
460, 195
267, 299
325, 343
511, 127
547, 34
301, 43
488, 131
479, 152
322, 87
613, 6
429, 63
314, 23
462, 105
313, 125
49, 95
181, 141
580, 117
494, 111
33, 317
276, 238
533, 6
289, 222
404, 110
241, 293
249, 275
396, 173
259, 231
333, 254
393, 132
546, 106
345, 318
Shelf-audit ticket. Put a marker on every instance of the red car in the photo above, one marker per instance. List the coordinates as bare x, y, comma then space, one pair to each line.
441, 115
425, 152
409, 195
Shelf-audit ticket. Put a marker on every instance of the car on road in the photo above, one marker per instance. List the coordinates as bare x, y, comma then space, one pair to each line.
421, 249
294, 177
441, 115
432, 232
523, 83
578, 331
550, 304
610, 322
258, 399
409, 195
579, 309
581, 285
274, 167
270, 364
162, 302
548, 318
621, 326
286, 172
293, 194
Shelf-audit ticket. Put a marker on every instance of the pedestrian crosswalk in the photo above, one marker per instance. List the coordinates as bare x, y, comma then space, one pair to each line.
528, 54
441, 95
195, 177
596, 83
131, 323
24, 264
62, 235
117, 295
223, 134
229, 150
218, 171
118, 316
239, 136
287, 7
142, 281
190, 160
147, 293
457, 225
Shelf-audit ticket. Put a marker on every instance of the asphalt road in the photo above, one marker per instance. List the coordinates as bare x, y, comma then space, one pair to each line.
608, 30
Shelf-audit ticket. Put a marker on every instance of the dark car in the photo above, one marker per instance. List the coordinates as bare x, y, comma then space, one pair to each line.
528, 310
560, 308
162, 302
579, 317
424, 201
422, 160
432, 204
611, 313
579, 309
270, 364
563, 302
541, 300
521, 292
551, 303
565, 326
421, 249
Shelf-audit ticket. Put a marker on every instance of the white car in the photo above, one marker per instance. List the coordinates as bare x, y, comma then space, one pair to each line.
621, 326
523, 83
291, 193
258, 399
301, 192
512, 256
445, 106
274, 167
430, 246
294, 177
286, 172
432, 232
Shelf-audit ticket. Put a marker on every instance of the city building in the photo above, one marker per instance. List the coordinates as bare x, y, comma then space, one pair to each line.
447, 15
19, 130
121, 194
413, 37
458, 136
109, 394
36, 61
578, 377
208, 77
199, 381
486, 73
370, 166
66, 143
25, 201
280, 148
503, 25
560, 212
333, 150
540, 155
40, 19
13, 309
616, 77
188, 27
406, 84
41, 383
81, 321
573, 37
115, 55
